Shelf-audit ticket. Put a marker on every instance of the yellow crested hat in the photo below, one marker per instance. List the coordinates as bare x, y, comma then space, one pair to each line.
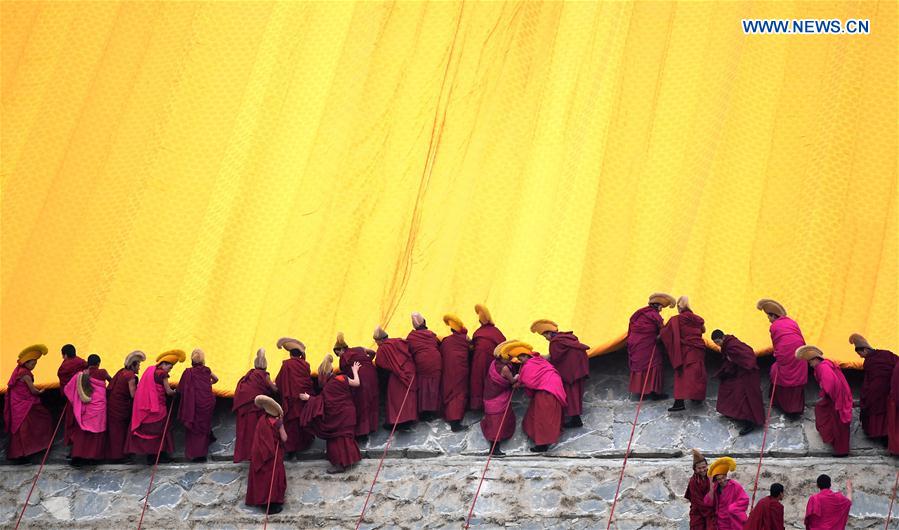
771, 306
454, 322
663, 299
171, 356
722, 466
136, 355
510, 350
484, 316
542, 326
859, 342
197, 356
32, 353
269, 405
290, 343
808, 352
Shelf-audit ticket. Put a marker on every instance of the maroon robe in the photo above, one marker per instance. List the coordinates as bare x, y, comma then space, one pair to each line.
118, 413
454, 351
393, 356
893, 413
86, 444
145, 440
768, 514
878, 370
542, 422
366, 396
569, 356
740, 392
484, 341
643, 356
331, 416
28, 422
67, 370
425, 350
294, 378
682, 337
266, 456
833, 410
196, 410
253, 384
702, 516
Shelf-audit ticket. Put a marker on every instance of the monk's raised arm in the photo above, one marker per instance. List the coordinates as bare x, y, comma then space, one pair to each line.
29, 382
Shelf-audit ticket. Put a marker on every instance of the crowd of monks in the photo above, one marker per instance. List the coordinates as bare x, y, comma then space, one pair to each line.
109, 418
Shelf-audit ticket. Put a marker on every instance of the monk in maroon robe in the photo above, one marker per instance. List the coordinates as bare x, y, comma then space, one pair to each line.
569, 356
86, 393
150, 432
483, 341
893, 413
543, 420
454, 350
682, 337
878, 370
119, 402
331, 415
71, 365
256, 382
28, 422
267, 458
402, 399
293, 379
833, 410
425, 350
644, 353
197, 407
768, 514
498, 388
740, 392
827, 509
366, 396
702, 516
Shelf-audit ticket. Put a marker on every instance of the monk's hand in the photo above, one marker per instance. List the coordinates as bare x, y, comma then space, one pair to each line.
356, 366
304, 396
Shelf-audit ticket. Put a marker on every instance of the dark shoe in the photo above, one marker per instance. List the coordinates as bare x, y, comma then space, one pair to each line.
794, 416
406, 426
655, 396
199, 459
151, 460
573, 423
388, 426
164, 458
333, 470
539, 448
362, 439
456, 426
678, 406
747, 428
275, 507
77, 462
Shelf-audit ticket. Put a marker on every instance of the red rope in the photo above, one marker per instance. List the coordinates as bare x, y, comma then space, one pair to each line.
386, 447
44, 459
165, 428
633, 428
893, 498
489, 457
758, 469
271, 484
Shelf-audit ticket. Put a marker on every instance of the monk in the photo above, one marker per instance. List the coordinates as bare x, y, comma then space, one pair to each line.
294, 378
267, 458
150, 432
366, 396
875, 393
702, 516
197, 407
726, 496
682, 337
119, 402
331, 415
541, 381
256, 382
28, 422
425, 350
644, 356
497, 395
788, 374
740, 392
71, 365
402, 399
893, 413
569, 356
454, 351
833, 410
86, 393
828, 510
484, 340
768, 514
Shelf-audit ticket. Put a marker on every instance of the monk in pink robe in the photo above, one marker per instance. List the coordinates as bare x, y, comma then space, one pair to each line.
702, 516
366, 396
71, 365
788, 374
828, 510
86, 393
833, 410
543, 419
197, 407
875, 392
267, 478
569, 356
119, 403
256, 382
293, 380
644, 352
893, 413
151, 433
726, 496
402, 400
740, 392
28, 422
331, 415
483, 341
454, 350
497, 395
682, 337
425, 350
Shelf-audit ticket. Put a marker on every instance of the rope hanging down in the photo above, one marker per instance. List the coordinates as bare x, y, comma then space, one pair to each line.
43, 460
489, 457
758, 469
893, 498
165, 429
271, 486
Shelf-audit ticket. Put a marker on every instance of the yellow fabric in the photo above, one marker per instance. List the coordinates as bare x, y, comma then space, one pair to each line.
219, 175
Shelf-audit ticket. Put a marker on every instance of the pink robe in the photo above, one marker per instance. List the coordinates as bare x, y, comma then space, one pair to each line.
833, 411
790, 373
29, 423
484, 341
827, 510
643, 356
67, 370
730, 505
149, 415
89, 432
543, 420
497, 394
